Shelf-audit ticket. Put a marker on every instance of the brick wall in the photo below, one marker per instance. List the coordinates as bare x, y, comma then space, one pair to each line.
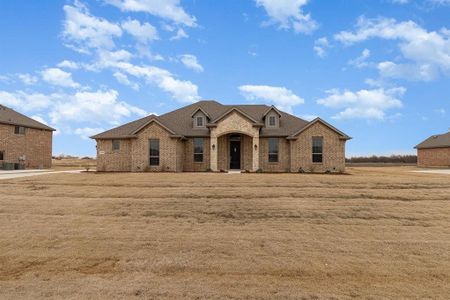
114, 160
189, 164
436, 157
333, 150
284, 156
35, 144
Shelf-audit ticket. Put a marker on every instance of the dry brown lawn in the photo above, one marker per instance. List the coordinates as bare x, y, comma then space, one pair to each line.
377, 233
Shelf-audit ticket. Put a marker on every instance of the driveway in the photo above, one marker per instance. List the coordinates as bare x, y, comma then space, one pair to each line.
27, 173
434, 171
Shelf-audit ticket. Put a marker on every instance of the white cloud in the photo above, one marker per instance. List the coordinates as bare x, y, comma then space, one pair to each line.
166, 9
426, 53
83, 31
87, 132
191, 62
28, 79
91, 107
144, 33
288, 14
363, 104
283, 98
25, 101
320, 47
181, 34
123, 79
68, 64
361, 61
439, 2
59, 77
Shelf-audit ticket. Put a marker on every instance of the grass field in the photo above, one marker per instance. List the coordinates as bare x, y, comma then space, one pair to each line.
377, 233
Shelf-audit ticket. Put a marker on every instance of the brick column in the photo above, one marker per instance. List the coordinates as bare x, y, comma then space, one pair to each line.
255, 153
213, 154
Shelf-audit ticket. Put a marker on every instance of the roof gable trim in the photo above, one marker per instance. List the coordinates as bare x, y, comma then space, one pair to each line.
151, 121
319, 120
234, 109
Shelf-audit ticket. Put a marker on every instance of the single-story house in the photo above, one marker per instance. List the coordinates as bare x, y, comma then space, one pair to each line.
24, 142
434, 151
210, 136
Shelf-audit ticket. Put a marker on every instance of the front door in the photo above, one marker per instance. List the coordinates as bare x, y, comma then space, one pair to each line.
235, 155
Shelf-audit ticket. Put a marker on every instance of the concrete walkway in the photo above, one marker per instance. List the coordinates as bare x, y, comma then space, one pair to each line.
434, 171
28, 173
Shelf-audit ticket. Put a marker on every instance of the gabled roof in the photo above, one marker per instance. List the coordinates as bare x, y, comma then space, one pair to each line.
435, 141
204, 112
270, 109
234, 109
179, 122
12, 117
319, 120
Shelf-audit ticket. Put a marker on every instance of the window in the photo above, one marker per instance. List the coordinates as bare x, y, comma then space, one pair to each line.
1, 155
273, 150
116, 145
272, 121
19, 130
200, 122
198, 149
154, 152
317, 149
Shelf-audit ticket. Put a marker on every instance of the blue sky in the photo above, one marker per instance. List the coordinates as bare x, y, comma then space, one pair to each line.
377, 69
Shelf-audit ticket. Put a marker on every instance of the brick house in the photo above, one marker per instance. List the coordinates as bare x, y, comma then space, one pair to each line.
211, 136
434, 151
24, 142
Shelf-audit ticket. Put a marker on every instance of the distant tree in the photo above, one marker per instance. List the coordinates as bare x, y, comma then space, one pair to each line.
402, 159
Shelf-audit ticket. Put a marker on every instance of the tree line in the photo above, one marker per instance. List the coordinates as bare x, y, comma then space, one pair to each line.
404, 159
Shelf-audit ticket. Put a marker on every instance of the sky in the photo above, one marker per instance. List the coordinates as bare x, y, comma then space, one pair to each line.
378, 70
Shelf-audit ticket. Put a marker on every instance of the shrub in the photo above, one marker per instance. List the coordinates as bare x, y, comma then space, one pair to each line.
259, 170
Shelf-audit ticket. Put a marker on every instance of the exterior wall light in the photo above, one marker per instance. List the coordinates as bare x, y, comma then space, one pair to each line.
214, 147
256, 147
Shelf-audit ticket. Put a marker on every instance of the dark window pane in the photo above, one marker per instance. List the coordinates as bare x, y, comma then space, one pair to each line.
19, 130
154, 161
115, 144
271, 121
198, 149
154, 152
198, 157
317, 158
317, 149
1, 155
273, 149
199, 121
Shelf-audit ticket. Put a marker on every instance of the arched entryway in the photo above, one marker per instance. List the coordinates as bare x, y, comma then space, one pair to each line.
234, 151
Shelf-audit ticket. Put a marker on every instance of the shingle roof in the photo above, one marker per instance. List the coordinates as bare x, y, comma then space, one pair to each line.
436, 141
180, 121
12, 117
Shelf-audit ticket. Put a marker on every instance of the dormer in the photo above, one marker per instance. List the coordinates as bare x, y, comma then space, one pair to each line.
272, 117
200, 118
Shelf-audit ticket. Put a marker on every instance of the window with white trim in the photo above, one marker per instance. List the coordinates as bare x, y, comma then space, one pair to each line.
198, 149
115, 145
19, 130
317, 149
272, 121
200, 121
154, 152
273, 150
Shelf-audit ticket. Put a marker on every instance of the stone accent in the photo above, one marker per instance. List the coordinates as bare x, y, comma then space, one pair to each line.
234, 123
284, 156
35, 145
333, 150
435, 157
189, 164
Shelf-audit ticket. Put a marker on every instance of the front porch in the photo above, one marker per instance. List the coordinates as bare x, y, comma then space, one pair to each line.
234, 151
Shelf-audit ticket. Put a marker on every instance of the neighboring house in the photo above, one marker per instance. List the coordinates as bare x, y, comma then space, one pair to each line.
211, 136
434, 151
24, 142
